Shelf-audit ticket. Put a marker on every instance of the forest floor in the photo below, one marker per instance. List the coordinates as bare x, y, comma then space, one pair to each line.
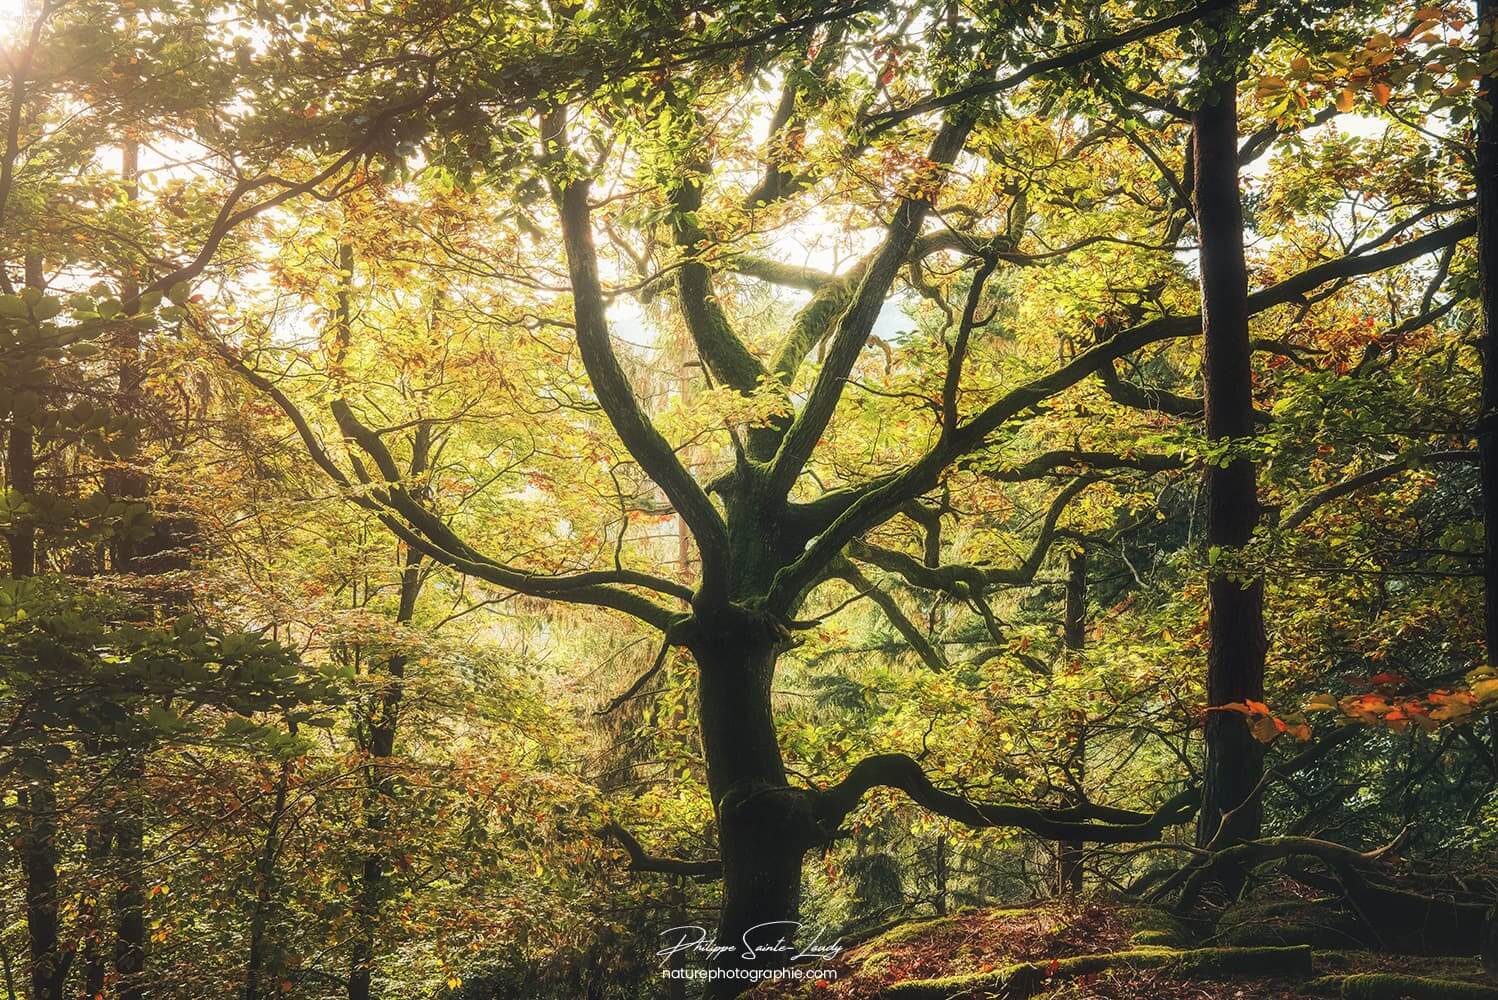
1101, 951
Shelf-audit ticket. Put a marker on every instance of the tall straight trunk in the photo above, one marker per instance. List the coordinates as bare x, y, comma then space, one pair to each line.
1235, 660
265, 871
127, 482
1487, 267
1074, 635
130, 825
384, 714
939, 867
130, 897
8, 971
39, 800
92, 918
1487, 423
39, 863
379, 791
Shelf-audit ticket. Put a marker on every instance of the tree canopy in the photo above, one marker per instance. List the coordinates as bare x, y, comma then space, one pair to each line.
489, 483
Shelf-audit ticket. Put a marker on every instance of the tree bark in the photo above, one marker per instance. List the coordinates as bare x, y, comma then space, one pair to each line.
39, 800
97, 843
939, 873
1235, 661
1487, 267
1074, 634
1487, 422
764, 826
130, 898
39, 861
130, 484
265, 870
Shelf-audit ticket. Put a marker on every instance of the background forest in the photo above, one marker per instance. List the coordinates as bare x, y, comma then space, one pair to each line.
488, 482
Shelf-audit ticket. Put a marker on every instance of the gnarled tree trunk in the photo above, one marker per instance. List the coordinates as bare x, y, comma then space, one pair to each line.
764, 827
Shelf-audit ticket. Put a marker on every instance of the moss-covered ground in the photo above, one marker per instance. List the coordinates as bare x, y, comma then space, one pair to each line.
1099, 951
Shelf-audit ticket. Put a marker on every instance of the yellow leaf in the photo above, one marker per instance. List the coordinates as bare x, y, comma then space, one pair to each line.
1485, 690
1321, 703
1345, 98
1264, 729
453, 982
1269, 86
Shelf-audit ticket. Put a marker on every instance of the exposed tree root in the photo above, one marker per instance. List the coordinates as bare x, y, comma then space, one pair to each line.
1398, 919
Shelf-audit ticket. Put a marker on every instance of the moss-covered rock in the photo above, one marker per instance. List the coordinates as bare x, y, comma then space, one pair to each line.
913, 929
1324, 986
1155, 927
1387, 986
1280, 923
1018, 982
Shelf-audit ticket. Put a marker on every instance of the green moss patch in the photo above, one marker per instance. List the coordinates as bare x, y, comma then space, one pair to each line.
1388, 986
1028, 979
1155, 927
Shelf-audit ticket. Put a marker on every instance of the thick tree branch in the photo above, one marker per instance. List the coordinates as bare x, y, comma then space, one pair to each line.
882, 497
788, 126
858, 319
389, 503
617, 397
1253, 147
1072, 57
1051, 463
1353, 484
1139, 397
639, 861
776, 272
963, 579
957, 351
892, 611
833, 292
719, 346
1086, 822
